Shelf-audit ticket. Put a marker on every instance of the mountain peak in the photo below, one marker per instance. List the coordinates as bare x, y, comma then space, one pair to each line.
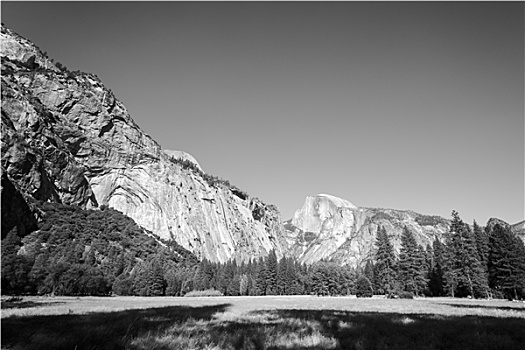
339, 202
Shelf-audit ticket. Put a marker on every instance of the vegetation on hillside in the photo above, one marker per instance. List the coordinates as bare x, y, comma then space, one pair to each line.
215, 181
88, 252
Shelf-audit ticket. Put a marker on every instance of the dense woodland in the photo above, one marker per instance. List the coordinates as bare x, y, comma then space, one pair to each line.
103, 252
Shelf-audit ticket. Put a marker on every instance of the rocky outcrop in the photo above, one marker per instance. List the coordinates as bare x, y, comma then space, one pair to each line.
67, 139
518, 228
327, 227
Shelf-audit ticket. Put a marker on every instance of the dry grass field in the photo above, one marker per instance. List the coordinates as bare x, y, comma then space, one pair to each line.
299, 322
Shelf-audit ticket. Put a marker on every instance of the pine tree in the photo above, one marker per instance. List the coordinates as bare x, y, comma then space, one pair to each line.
155, 279
506, 262
464, 272
411, 264
291, 278
436, 282
368, 271
385, 266
283, 284
271, 273
363, 287
261, 279
482, 244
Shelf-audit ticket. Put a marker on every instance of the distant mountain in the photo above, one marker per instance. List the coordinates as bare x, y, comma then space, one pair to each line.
67, 139
328, 227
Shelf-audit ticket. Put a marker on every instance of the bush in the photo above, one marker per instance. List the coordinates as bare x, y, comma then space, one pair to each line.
406, 295
204, 293
363, 287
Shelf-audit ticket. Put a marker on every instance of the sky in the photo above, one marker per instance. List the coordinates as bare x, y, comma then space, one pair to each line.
411, 105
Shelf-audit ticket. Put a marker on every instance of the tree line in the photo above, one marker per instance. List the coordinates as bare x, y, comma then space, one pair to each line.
470, 262
103, 252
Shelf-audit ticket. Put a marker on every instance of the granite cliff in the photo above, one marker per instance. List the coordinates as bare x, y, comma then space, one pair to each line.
66, 138
327, 227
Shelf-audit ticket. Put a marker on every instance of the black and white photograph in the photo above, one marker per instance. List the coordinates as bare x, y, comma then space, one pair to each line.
262, 175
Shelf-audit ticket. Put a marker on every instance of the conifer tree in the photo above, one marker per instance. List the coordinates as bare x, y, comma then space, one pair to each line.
435, 283
363, 288
283, 284
271, 273
385, 266
261, 279
412, 266
464, 272
482, 243
506, 262
368, 271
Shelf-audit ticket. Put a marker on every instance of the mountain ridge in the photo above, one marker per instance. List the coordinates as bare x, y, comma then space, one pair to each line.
67, 139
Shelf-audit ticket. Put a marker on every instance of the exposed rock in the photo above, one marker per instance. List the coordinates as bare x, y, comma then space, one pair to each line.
15, 210
327, 227
67, 139
518, 228
182, 156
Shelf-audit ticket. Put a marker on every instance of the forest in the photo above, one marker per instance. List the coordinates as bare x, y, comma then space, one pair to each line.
103, 252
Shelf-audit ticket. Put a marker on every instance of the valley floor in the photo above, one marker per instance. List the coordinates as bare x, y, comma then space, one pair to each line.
287, 322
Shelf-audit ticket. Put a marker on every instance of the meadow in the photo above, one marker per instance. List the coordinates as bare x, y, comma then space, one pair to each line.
278, 322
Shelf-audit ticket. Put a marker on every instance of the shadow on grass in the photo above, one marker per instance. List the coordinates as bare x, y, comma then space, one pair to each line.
182, 327
25, 304
517, 308
415, 331
107, 330
326, 329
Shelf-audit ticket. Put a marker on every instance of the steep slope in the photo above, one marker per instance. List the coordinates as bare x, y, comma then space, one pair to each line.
327, 227
67, 139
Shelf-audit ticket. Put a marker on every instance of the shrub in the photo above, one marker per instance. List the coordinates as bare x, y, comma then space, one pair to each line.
204, 293
406, 295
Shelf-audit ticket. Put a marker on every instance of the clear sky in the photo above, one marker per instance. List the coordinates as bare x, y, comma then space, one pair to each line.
412, 105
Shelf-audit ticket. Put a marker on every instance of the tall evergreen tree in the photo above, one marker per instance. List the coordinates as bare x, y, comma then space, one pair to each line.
411, 267
506, 262
482, 243
385, 266
464, 273
271, 273
368, 271
436, 281
260, 281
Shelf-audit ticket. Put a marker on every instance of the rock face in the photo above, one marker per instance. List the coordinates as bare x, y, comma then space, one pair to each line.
327, 227
67, 139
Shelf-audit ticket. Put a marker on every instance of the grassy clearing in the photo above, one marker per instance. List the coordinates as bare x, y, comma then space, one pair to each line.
262, 323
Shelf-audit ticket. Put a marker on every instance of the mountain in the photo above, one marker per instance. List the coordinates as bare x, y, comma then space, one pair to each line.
327, 227
67, 139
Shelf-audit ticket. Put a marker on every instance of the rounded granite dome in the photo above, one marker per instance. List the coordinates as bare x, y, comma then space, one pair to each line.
182, 155
339, 202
